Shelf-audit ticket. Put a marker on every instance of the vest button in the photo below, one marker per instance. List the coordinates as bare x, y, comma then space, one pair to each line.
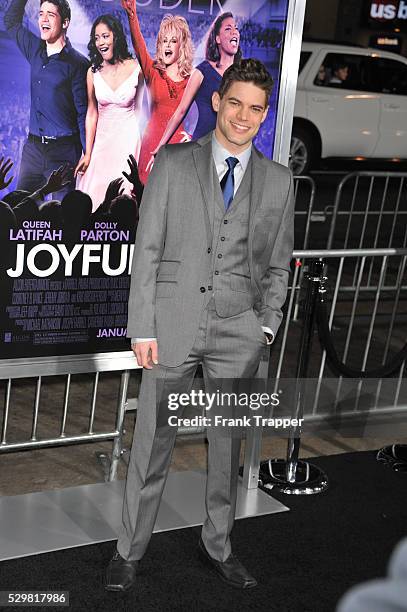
223, 238
209, 250
225, 221
210, 288
202, 289
216, 273
220, 255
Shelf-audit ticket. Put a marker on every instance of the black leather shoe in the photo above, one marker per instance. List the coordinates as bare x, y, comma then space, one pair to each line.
120, 574
231, 570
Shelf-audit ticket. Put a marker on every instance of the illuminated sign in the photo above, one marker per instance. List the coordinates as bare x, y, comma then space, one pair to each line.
385, 15
385, 10
388, 42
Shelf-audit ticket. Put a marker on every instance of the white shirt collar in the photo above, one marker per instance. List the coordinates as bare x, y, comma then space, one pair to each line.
220, 154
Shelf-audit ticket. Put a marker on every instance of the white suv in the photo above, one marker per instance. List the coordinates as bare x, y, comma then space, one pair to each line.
351, 102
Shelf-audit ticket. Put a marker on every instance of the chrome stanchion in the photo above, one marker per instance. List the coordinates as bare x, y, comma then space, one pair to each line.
292, 476
394, 456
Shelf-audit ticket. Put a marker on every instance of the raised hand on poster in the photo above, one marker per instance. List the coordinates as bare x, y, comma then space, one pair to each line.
114, 189
130, 7
59, 178
5, 167
134, 178
133, 175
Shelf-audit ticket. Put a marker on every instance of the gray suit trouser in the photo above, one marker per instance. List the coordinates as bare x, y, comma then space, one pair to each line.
228, 348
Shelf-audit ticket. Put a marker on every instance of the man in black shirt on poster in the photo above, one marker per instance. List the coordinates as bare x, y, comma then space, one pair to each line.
58, 93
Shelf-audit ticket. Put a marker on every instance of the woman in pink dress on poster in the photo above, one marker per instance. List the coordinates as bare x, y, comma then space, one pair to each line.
114, 83
166, 77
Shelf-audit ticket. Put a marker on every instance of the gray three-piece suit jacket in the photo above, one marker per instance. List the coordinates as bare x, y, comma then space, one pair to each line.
176, 263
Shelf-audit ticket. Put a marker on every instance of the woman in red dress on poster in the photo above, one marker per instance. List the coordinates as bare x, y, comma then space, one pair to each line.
166, 77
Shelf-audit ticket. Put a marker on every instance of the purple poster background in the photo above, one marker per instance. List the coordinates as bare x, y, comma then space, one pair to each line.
67, 294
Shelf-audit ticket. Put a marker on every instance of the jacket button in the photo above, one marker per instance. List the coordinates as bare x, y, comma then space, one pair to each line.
216, 273
202, 289
209, 250
225, 221
223, 238
220, 255
210, 288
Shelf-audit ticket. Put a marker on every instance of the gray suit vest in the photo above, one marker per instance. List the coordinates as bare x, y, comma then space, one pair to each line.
228, 269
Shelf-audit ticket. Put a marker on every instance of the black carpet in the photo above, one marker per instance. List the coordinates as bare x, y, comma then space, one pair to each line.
304, 560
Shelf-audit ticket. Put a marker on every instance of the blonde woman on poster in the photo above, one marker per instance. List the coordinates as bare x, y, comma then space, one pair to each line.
112, 121
222, 50
166, 76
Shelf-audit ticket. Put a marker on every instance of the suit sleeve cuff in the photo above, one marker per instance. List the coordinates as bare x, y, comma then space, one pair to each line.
269, 334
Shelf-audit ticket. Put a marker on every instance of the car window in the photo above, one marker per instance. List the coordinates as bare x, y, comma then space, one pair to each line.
304, 57
342, 70
386, 76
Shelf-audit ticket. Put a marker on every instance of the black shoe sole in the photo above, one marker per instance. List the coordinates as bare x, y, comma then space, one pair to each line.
235, 585
115, 589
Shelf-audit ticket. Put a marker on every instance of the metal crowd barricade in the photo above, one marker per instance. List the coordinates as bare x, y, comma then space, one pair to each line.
14, 369
384, 280
376, 204
369, 211
381, 278
354, 322
304, 198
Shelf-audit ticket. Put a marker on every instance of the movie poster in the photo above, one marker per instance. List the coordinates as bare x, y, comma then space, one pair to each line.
78, 142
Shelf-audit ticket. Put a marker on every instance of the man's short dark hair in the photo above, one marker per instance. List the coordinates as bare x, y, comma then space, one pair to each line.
63, 8
340, 66
247, 71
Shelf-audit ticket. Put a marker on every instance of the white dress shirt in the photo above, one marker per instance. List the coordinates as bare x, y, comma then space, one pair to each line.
220, 154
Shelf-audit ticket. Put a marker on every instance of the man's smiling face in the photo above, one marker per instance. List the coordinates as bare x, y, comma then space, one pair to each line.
241, 112
50, 22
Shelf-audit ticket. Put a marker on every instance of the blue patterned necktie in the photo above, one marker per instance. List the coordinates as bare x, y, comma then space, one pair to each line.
227, 183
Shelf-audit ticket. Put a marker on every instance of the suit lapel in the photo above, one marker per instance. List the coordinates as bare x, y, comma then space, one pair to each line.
244, 187
204, 166
259, 171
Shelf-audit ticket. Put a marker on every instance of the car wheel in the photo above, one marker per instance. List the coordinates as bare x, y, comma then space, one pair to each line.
302, 151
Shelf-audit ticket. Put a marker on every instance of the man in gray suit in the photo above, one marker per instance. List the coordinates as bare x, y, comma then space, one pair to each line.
209, 278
